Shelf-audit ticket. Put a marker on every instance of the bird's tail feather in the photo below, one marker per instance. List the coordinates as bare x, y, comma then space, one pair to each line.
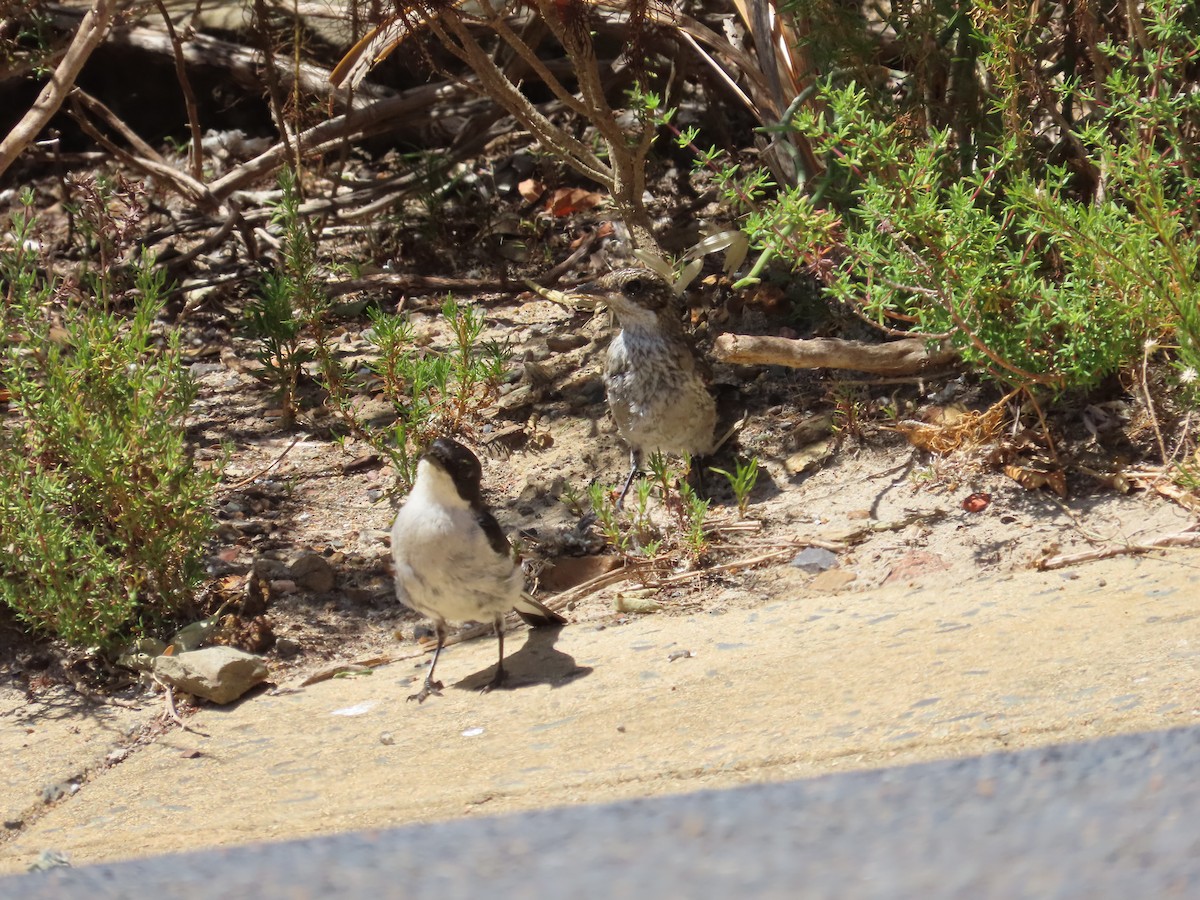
537, 614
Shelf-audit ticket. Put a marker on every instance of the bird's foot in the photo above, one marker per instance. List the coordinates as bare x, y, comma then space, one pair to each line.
498, 680
430, 687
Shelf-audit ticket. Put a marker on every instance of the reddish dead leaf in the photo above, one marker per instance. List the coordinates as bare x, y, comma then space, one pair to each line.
566, 201
977, 502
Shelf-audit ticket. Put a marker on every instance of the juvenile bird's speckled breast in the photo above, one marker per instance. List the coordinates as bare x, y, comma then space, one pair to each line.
657, 398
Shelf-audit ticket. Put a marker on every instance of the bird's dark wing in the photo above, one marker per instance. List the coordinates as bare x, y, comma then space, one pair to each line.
495, 534
537, 614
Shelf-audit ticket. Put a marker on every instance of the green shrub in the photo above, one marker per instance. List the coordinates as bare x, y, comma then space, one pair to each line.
103, 513
1031, 199
435, 393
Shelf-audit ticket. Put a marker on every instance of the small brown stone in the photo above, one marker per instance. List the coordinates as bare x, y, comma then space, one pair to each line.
832, 580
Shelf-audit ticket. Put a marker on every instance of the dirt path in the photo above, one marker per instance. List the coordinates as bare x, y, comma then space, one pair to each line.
799, 685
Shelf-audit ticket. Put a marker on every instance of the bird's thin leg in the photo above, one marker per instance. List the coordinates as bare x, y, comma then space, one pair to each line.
431, 686
698, 465
635, 466
500, 673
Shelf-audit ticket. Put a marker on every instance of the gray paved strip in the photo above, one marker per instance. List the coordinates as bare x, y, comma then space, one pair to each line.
1117, 817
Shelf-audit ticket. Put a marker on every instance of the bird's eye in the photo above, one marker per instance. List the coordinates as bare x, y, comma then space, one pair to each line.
634, 287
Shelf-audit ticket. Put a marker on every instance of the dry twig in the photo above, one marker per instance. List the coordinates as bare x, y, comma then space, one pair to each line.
92, 30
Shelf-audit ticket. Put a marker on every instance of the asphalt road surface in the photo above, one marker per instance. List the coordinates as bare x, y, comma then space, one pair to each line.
1117, 817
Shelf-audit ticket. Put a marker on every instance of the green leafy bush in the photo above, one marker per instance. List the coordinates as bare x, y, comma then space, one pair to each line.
435, 393
1026, 191
103, 513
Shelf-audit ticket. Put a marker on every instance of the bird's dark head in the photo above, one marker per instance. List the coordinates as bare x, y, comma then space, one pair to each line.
637, 296
451, 457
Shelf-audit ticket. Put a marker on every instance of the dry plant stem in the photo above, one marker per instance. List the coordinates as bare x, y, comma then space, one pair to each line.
627, 159
150, 163
1145, 385
430, 283
376, 117
748, 563
244, 65
624, 175
189, 96
197, 192
233, 220
274, 94
904, 357
493, 83
91, 33
1037, 407
499, 23
238, 485
1179, 539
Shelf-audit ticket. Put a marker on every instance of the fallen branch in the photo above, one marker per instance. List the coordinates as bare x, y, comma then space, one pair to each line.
903, 357
747, 563
379, 116
1180, 539
91, 33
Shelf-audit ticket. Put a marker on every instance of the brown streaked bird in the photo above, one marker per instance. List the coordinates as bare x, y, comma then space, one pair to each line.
453, 562
656, 393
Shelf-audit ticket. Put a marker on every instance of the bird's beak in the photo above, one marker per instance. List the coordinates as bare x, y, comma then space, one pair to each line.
585, 296
588, 295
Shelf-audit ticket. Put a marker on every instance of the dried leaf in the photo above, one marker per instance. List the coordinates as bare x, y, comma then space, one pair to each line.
977, 502
531, 190
568, 201
1031, 479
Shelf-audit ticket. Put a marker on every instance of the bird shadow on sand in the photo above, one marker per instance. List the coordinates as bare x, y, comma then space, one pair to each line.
537, 662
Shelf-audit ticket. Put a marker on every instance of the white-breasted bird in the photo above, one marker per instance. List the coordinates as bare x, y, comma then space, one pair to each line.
453, 562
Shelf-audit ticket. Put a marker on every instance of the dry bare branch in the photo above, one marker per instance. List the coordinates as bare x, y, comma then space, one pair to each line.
92, 30
904, 357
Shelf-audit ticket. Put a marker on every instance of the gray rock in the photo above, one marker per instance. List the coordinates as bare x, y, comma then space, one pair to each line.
312, 572
814, 560
219, 674
561, 343
49, 859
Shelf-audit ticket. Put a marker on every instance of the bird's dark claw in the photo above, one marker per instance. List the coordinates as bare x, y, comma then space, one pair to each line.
430, 687
496, 681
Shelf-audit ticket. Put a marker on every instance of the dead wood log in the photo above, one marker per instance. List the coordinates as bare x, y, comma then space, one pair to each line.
909, 356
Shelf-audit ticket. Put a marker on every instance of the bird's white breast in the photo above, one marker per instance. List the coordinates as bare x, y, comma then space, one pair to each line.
445, 567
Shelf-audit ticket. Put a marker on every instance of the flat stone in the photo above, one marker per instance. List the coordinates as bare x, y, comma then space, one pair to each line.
561, 343
313, 573
833, 580
219, 674
915, 566
814, 560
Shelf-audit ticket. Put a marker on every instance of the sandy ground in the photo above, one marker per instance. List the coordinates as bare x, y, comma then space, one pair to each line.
782, 681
